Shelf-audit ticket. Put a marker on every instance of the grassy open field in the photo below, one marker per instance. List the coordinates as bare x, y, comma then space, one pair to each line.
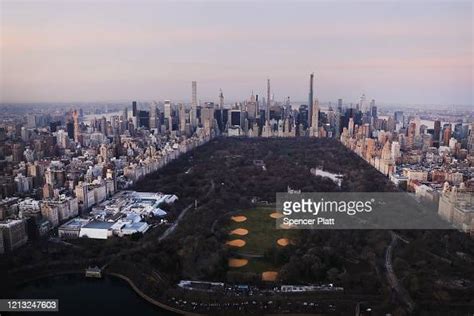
262, 236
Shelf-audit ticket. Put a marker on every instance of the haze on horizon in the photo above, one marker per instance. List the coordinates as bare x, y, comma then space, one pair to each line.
400, 52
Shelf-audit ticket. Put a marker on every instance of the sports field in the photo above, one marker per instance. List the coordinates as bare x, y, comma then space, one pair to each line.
251, 233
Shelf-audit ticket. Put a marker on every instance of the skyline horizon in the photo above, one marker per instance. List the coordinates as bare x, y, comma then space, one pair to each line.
406, 53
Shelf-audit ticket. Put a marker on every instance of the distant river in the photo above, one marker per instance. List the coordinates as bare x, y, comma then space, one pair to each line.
86, 296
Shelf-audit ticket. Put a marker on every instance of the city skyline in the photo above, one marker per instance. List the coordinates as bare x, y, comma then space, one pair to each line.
401, 54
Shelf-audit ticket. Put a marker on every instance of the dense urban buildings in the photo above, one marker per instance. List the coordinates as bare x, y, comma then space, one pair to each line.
61, 165
69, 178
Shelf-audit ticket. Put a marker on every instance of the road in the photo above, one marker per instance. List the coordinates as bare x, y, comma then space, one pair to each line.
392, 277
172, 228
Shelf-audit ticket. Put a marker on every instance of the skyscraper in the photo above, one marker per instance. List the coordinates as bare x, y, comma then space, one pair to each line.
363, 104
221, 99
75, 116
314, 132
134, 113
194, 94
125, 114
193, 112
436, 133
134, 108
153, 116
268, 96
398, 116
168, 114
182, 118
373, 109
310, 100
470, 140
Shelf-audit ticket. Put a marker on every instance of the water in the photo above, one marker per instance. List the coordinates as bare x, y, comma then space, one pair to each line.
85, 296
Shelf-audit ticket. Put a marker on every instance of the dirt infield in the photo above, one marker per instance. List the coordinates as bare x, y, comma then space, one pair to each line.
239, 231
283, 242
236, 243
269, 276
276, 215
237, 263
239, 218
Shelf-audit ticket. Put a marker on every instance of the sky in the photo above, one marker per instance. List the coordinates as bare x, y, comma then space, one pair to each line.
397, 52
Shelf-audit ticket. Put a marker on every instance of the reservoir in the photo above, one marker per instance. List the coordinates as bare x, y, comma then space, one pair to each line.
87, 296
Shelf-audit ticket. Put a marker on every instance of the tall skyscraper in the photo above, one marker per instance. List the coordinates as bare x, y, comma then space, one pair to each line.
168, 114
310, 100
134, 108
470, 140
125, 114
221, 99
193, 112
314, 132
398, 116
446, 134
135, 114
363, 104
153, 116
373, 109
75, 116
268, 97
182, 118
194, 94
436, 133
339, 105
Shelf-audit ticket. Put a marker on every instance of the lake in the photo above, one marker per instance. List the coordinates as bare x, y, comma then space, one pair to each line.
86, 296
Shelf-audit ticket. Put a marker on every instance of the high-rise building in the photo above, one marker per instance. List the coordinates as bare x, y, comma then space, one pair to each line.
398, 115
339, 105
314, 124
182, 118
470, 140
373, 109
235, 118
411, 131
363, 104
75, 116
268, 97
207, 117
194, 94
153, 116
310, 100
193, 117
125, 114
395, 151
135, 114
13, 233
221, 99
134, 109
143, 119
168, 114
446, 134
436, 133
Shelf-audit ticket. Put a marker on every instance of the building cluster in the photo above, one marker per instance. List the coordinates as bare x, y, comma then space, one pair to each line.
123, 214
61, 165
59, 170
435, 163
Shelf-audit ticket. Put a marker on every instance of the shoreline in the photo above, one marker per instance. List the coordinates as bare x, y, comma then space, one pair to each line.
148, 298
129, 282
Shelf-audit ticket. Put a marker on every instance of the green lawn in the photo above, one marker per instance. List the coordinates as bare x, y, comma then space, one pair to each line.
262, 236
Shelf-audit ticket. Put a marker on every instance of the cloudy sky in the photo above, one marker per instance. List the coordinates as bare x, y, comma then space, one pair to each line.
395, 51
